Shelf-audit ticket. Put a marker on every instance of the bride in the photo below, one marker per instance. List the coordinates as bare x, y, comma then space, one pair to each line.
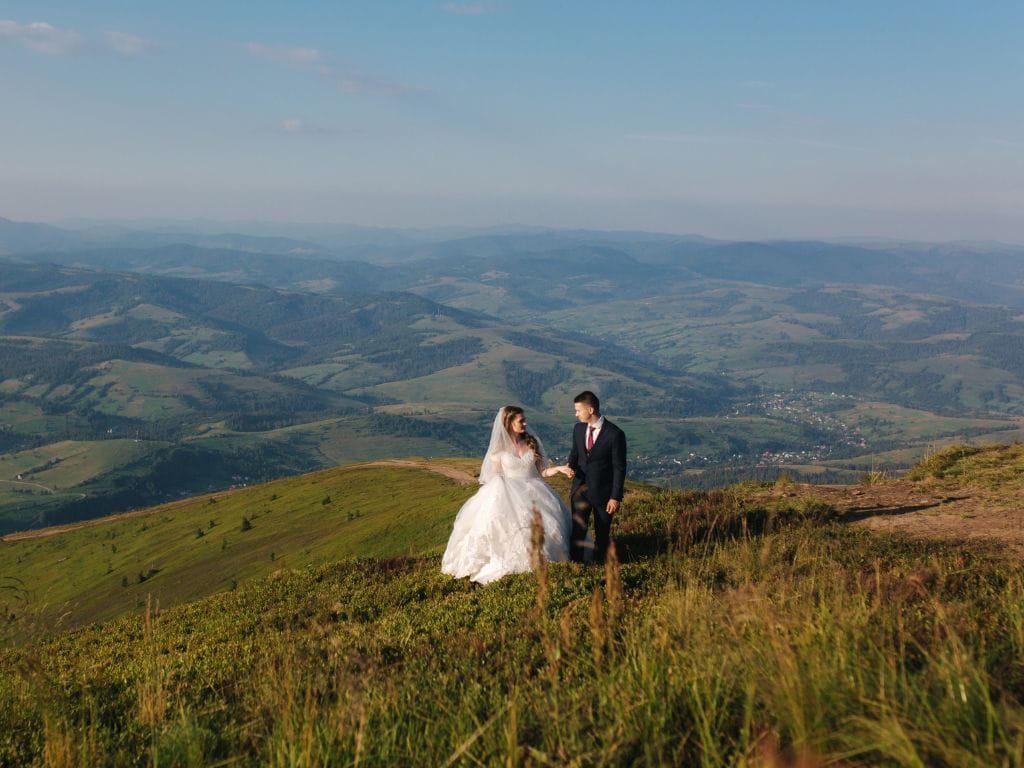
491, 535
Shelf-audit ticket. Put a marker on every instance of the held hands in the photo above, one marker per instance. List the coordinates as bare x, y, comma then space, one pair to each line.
613, 504
564, 469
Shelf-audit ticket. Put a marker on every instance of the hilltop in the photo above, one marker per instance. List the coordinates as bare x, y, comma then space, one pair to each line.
755, 625
98, 569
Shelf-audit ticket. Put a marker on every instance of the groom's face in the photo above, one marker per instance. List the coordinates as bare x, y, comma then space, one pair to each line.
584, 412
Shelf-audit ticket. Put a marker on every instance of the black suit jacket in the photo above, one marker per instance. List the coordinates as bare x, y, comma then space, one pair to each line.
604, 468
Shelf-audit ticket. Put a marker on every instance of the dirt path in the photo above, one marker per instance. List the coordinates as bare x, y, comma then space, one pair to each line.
462, 478
26, 482
928, 510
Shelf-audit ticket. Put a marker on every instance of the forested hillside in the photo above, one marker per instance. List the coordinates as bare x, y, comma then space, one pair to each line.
219, 359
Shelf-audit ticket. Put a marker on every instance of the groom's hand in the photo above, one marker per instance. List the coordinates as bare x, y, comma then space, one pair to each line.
613, 507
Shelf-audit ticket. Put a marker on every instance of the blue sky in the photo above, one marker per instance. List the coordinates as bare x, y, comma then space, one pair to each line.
728, 119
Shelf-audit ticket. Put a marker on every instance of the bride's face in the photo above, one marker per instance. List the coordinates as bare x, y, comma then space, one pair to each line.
518, 424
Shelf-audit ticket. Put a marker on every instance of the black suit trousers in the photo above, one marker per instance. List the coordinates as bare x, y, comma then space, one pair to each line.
582, 510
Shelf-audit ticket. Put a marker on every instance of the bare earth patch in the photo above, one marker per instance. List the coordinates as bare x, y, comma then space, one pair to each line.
462, 478
948, 510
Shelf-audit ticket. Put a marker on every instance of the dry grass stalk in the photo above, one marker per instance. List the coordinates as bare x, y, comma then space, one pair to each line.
684, 529
58, 746
613, 585
454, 757
538, 560
151, 692
598, 630
565, 627
768, 754
512, 734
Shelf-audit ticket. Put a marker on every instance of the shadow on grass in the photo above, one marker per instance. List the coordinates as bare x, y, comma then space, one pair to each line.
633, 547
856, 514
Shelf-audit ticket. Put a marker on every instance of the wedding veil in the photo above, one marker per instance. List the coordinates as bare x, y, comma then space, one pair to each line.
501, 442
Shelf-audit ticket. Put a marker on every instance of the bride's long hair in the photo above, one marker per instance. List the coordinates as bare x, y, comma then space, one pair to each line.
511, 411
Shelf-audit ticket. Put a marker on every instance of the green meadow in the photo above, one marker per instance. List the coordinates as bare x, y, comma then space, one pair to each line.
748, 626
193, 548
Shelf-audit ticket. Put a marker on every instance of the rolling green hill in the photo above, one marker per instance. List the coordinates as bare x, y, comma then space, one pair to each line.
221, 384
756, 625
725, 360
207, 544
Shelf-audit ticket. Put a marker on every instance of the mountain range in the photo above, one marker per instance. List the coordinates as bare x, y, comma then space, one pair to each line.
138, 365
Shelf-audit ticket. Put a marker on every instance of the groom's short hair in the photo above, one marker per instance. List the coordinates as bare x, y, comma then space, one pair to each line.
588, 398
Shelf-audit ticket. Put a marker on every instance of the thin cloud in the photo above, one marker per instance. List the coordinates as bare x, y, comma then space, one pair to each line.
724, 140
691, 138
40, 37
126, 45
468, 9
314, 60
296, 126
820, 144
357, 82
296, 57
1006, 143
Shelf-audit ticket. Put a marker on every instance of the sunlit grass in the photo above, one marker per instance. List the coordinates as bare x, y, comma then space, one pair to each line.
732, 633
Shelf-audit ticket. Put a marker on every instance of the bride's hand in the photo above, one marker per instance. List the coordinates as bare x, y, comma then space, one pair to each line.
563, 468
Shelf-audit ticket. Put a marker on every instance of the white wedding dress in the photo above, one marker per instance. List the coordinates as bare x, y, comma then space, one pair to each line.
491, 535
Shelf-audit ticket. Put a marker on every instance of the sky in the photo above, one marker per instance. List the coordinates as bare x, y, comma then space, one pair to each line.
725, 119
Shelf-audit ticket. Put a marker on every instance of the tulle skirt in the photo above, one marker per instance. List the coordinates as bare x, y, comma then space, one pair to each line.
491, 535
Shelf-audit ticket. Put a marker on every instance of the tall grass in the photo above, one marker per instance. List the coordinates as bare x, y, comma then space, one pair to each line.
758, 637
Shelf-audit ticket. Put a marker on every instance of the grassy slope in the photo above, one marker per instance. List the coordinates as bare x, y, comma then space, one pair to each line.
80, 574
735, 633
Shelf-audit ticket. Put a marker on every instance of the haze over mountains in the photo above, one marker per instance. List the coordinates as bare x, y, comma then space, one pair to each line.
144, 363
979, 272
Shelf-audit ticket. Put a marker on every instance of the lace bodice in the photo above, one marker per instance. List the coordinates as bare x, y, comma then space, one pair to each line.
516, 467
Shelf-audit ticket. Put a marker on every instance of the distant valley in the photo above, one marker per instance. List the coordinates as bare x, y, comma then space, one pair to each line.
141, 366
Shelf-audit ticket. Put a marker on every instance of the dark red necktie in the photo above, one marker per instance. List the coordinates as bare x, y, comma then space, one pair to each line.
590, 437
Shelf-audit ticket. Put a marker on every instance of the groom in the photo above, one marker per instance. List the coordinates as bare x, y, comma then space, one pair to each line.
597, 461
